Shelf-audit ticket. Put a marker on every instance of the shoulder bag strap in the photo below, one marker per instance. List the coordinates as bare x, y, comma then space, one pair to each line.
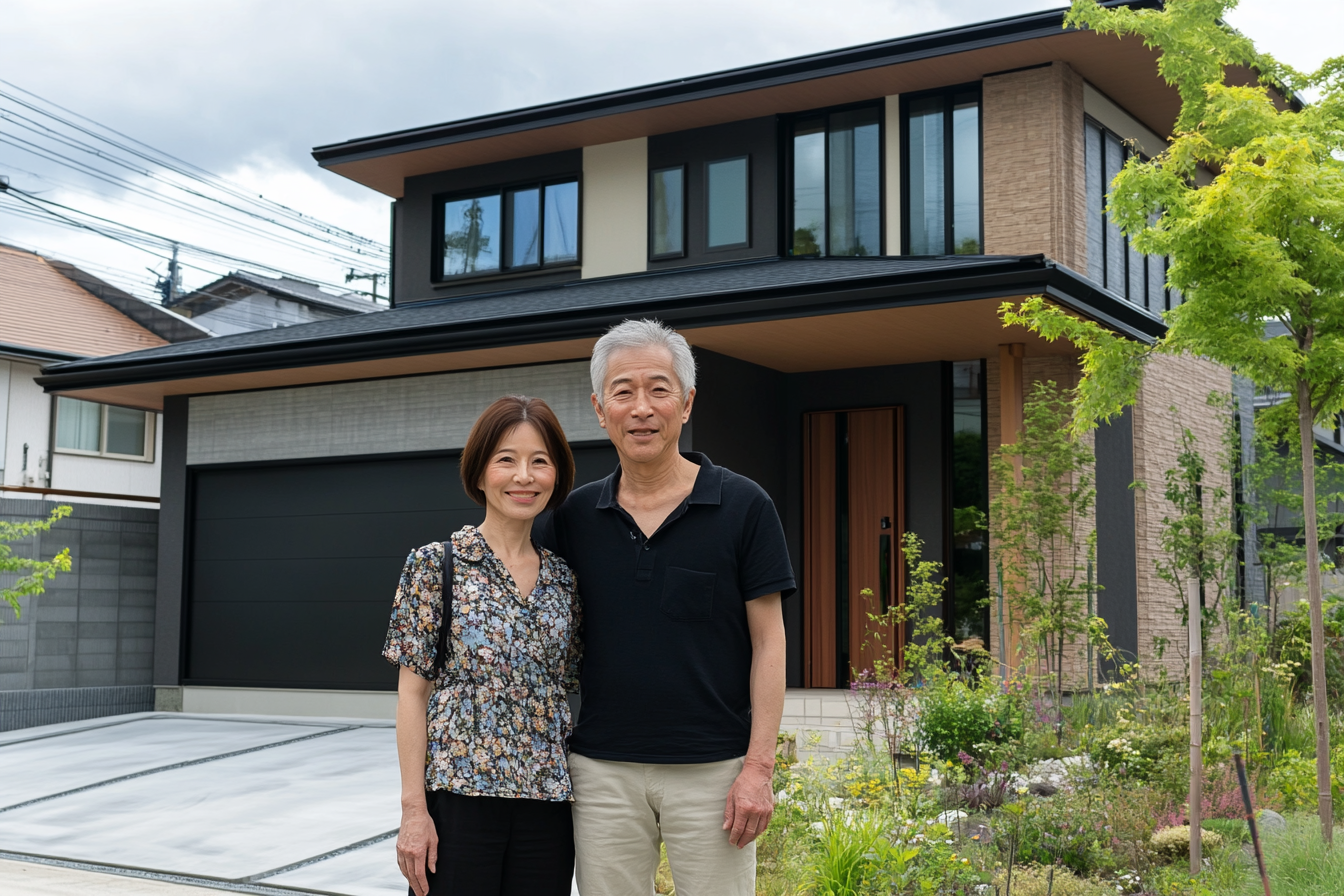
446, 618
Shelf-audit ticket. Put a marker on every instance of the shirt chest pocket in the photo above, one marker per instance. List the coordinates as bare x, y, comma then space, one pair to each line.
688, 594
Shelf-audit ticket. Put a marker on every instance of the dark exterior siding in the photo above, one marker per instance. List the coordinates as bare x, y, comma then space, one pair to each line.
1117, 571
172, 543
757, 138
415, 259
293, 565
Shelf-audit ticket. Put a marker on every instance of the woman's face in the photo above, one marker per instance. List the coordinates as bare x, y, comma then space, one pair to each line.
520, 476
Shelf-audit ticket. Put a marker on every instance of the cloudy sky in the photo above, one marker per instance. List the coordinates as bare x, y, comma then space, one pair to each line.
246, 88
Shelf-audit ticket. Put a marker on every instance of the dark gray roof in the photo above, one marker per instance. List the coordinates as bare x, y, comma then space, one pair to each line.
765, 289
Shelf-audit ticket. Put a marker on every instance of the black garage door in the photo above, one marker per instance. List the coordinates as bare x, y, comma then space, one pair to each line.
293, 566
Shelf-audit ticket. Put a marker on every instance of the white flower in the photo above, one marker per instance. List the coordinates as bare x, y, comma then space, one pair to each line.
835, 802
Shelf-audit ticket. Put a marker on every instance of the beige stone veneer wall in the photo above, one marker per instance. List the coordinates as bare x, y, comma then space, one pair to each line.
1183, 383
1034, 192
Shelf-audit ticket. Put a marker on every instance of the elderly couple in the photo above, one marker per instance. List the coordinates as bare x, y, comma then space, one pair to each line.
657, 591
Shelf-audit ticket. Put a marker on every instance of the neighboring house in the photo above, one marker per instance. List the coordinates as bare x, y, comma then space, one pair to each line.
834, 235
94, 625
241, 302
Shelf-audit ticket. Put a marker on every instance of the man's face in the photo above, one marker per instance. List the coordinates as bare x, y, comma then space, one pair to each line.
643, 407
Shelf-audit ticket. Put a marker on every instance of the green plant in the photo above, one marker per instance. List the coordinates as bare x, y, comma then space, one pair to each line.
1135, 753
956, 717
1299, 864
33, 574
1038, 880
1175, 842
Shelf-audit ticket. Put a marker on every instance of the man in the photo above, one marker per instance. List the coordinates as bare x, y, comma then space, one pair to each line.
681, 567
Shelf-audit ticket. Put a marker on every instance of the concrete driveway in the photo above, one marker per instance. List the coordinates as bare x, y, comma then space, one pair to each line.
171, 801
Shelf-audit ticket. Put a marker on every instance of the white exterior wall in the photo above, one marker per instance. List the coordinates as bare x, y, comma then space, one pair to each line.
25, 418
420, 413
616, 208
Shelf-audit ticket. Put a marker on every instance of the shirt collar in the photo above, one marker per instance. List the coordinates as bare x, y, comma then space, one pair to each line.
708, 488
469, 545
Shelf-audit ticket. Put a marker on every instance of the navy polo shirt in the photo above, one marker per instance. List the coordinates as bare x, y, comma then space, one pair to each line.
667, 652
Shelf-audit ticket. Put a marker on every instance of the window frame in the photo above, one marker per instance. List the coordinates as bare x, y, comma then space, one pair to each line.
685, 212
949, 95
437, 275
1097, 274
786, 174
728, 247
146, 457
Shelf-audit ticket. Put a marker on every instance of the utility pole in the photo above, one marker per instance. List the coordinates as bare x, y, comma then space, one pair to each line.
170, 285
375, 277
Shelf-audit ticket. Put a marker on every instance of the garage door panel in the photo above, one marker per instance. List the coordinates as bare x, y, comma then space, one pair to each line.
293, 567
333, 535
328, 580
297, 644
373, 486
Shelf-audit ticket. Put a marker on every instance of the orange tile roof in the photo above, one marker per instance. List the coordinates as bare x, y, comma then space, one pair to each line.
41, 308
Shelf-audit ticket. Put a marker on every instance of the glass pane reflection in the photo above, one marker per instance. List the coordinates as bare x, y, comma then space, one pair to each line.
855, 182
927, 215
966, 175
809, 189
125, 431
524, 227
561, 233
78, 424
668, 212
727, 187
471, 235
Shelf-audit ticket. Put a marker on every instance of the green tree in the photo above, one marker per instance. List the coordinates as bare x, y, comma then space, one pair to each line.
33, 574
1045, 538
1248, 202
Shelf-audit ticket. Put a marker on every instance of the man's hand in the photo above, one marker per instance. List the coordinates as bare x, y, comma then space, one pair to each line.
751, 801
417, 847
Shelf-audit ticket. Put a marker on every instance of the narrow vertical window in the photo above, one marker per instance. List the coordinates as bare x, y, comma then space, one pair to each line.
969, 487
1112, 161
727, 197
561, 232
809, 188
943, 207
1096, 199
966, 174
471, 236
925, 161
855, 183
524, 215
1111, 261
667, 206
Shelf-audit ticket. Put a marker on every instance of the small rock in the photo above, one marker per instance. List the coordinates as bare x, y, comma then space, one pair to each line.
1042, 788
1271, 822
950, 817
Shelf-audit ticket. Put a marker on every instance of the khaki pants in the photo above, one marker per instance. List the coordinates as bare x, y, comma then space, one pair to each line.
622, 810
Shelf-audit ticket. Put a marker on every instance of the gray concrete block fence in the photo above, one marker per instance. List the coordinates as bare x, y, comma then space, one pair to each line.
93, 628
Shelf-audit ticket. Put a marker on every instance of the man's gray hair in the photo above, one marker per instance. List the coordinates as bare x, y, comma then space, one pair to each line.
643, 334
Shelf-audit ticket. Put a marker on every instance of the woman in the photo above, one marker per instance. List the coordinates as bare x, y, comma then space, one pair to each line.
481, 732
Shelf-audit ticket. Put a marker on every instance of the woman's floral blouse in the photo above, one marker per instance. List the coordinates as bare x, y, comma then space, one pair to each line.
498, 716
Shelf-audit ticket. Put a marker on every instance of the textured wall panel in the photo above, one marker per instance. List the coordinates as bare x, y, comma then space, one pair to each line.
28, 709
424, 413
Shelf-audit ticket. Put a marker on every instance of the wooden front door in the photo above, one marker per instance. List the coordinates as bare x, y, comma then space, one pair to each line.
852, 528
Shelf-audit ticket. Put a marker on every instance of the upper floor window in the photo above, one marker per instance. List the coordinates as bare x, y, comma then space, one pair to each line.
835, 185
86, 427
514, 229
942, 173
727, 198
1111, 260
667, 210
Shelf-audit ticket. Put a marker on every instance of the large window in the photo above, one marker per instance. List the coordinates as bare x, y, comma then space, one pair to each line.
835, 185
942, 173
515, 229
85, 427
1111, 260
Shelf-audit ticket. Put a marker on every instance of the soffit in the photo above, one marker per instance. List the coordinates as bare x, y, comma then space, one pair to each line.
1125, 70
953, 331
42, 308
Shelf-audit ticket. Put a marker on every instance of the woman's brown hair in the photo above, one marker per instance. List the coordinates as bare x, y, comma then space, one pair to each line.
495, 423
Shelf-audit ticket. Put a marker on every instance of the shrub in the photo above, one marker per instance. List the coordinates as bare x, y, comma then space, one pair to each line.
1136, 752
956, 718
1035, 880
1174, 843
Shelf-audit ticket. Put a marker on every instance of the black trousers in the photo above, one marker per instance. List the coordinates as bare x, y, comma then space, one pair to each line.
496, 846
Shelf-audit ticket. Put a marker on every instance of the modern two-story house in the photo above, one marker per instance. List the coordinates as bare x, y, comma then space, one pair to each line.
833, 234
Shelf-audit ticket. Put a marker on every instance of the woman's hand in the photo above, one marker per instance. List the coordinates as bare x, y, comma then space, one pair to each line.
417, 848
